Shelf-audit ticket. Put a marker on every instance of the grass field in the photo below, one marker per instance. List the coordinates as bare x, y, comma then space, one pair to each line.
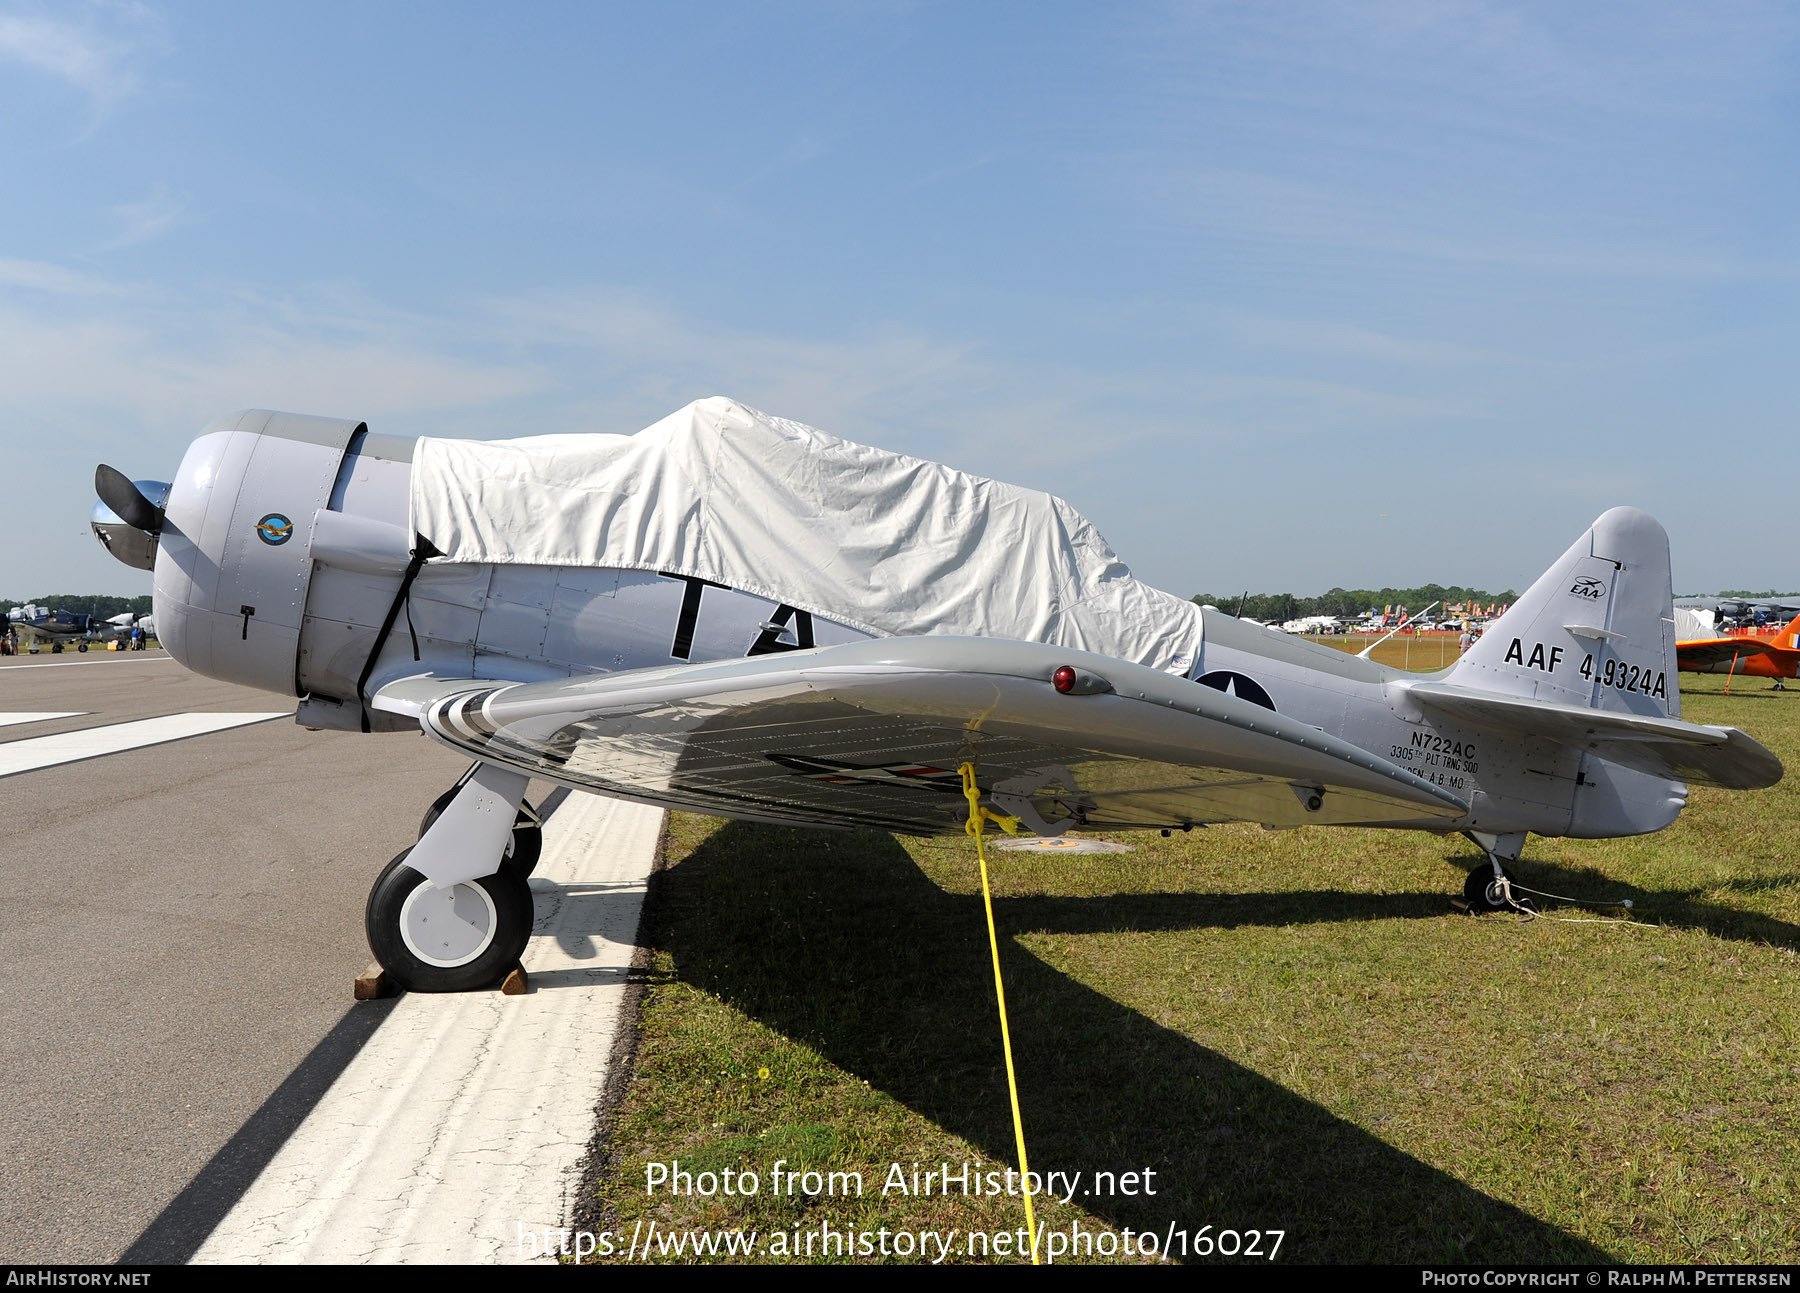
1402, 651
1295, 1031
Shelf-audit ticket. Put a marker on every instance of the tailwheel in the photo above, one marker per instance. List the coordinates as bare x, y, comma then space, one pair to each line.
1484, 891
523, 847
467, 936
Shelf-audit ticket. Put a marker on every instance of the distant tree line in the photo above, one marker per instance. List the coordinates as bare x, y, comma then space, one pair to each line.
1274, 608
1745, 592
90, 604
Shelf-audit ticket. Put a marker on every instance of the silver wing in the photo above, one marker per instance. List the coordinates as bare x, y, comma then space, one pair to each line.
872, 734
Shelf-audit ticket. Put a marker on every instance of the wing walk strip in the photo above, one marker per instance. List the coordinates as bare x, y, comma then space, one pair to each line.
92, 742
460, 1125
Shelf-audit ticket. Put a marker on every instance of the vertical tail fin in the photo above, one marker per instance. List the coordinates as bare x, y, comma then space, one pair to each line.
1597, 629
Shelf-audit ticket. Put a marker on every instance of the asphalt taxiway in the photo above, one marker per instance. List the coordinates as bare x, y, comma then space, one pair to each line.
460, 1126
184, 920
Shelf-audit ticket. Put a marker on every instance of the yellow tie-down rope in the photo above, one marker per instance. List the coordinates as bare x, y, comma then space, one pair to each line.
978, 820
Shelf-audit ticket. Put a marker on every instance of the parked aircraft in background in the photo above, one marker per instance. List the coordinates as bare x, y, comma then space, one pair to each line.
1745, 611
36, 626
125, 624
740, 615
1313, 624
1700, 649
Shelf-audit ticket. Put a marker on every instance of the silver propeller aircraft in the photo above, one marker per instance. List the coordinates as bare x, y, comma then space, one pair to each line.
739, 615
125, 626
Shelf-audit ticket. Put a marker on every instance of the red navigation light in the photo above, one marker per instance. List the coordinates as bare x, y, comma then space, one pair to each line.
1064, 679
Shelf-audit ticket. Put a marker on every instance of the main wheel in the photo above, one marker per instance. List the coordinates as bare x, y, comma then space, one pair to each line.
523, 847
1483, 892
437, 808
447, 940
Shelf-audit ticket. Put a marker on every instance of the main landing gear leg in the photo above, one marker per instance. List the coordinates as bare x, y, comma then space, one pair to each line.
1490, 885
454, 912
523, 847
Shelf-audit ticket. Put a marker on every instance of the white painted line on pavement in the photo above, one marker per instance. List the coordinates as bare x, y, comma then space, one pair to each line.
70, 664
462, 1122
13, 720
92, 742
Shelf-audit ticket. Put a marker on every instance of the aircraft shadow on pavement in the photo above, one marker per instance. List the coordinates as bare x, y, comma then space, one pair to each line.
844, 943
181, 1228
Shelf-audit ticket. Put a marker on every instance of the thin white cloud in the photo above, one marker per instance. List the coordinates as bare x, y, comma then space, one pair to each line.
40, 276
615, 363
145, 220
1360, 343
133, 374
140, 362
98, 49
808, 148
1551, 139
954, 171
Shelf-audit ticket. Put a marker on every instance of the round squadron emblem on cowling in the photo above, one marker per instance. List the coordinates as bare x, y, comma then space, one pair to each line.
275, 529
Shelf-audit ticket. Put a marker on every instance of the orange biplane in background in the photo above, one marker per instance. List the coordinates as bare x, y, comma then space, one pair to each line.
1698, 649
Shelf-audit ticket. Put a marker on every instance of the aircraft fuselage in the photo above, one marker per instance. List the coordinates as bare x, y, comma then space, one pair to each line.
286, 542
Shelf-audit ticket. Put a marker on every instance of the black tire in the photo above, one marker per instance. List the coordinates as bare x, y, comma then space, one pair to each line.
1483, 893
490, 925
523, 848
82, 648
437, 808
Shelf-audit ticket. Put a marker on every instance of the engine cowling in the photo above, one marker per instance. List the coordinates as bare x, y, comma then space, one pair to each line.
235, 554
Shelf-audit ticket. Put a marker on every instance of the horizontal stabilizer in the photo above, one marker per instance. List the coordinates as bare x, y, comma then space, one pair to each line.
1667, 747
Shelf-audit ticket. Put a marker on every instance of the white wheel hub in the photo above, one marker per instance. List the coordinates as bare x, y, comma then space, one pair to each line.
448, 927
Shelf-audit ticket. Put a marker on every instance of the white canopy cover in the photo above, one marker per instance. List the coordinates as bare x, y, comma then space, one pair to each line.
1692, 625
891, 545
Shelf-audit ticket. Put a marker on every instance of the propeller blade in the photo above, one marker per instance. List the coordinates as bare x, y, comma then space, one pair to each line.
125, 499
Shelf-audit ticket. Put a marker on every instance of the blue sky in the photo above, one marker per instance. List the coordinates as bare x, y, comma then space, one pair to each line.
1282, 296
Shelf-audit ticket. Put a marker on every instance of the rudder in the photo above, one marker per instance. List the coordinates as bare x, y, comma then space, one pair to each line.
1597, 629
